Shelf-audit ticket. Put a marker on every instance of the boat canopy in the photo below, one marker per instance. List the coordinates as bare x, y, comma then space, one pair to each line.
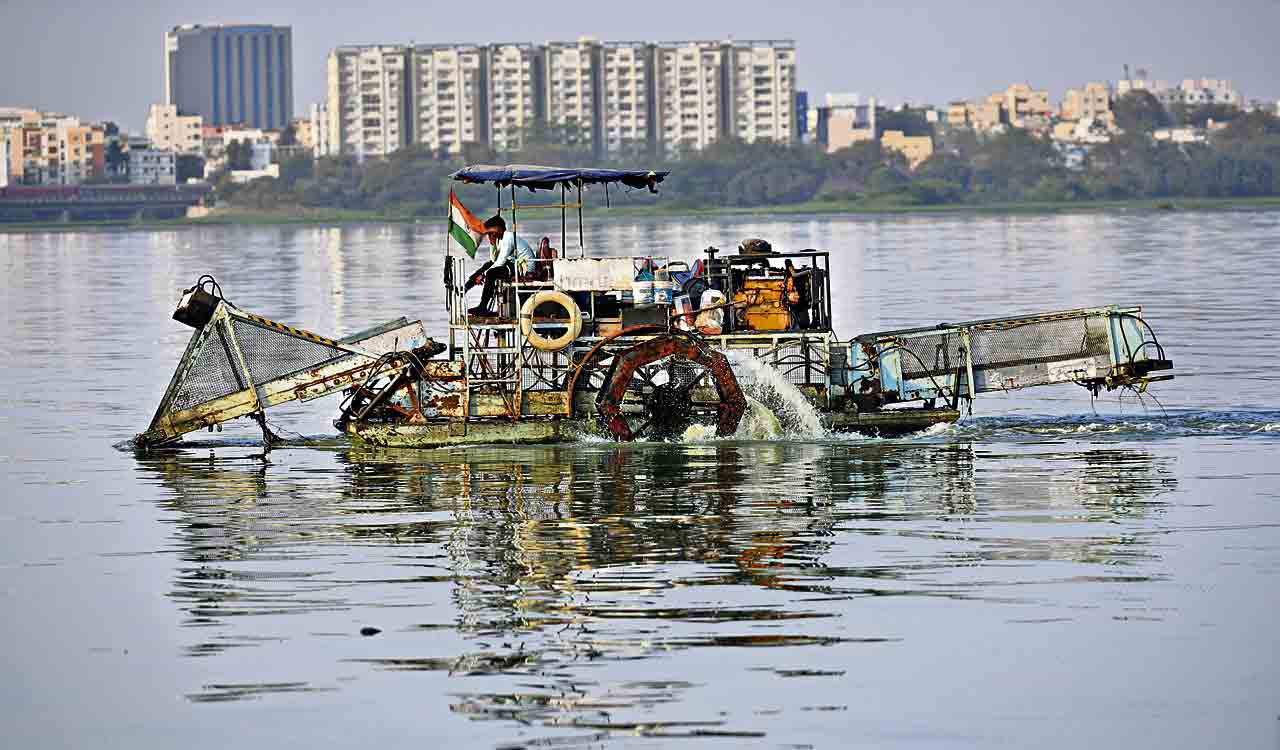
544, 178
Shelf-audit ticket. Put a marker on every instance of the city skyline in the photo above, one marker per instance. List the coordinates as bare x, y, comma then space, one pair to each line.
939, 52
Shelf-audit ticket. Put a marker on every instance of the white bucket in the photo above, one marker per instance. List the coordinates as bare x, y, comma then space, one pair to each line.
642, 292
661, 293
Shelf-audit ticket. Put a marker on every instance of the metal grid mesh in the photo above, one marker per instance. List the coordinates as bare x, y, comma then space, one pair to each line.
996, 347
271, 354
210, 376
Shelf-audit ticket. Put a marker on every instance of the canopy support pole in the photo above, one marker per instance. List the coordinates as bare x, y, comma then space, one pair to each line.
582, 251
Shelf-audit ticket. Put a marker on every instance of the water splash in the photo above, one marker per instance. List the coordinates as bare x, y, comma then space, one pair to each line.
769, 388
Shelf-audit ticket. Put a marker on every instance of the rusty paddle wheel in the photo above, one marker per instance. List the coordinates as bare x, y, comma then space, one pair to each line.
658, 388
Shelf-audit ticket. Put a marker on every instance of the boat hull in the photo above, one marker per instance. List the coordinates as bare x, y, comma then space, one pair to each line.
440, 434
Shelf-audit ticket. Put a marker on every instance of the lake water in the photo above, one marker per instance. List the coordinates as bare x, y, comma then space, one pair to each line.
1051, 572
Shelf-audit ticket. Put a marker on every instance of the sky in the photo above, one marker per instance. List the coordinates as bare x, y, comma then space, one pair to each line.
104, 60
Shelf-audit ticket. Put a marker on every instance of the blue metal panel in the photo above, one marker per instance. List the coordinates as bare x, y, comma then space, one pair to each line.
240, 74
891, 372
226, 117
271, 101
257, 101
282, 64
213, 59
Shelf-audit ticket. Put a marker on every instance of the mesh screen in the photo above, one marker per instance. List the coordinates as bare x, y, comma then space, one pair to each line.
211, 374
271, 354
996, 346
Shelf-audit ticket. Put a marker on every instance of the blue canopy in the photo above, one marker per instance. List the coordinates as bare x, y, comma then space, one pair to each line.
545, 178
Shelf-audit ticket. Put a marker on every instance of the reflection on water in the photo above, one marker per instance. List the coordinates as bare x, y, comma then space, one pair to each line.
548, 562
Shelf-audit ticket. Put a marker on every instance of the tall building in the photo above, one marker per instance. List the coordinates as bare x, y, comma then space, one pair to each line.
569, 96
7, 143
761, 96
447, 99
626, 96
689, 88
514, 92
320, 130
612, 95
369, 100
231, 74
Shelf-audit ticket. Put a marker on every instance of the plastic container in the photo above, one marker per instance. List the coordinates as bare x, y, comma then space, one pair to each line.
711, 322
661, 287
642, 286
642, 292
683, 312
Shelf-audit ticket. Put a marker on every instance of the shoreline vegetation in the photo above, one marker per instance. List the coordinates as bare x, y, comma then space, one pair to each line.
231, 216
1236, 166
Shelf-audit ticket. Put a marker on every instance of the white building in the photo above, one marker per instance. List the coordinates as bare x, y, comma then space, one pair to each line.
570, 91
171, 131
763, 90
514, 86
150, 166
368, 100
1195, 92
447, 109
1180, 135
625, 96
5, 148
321, 142
688, 90
680, 95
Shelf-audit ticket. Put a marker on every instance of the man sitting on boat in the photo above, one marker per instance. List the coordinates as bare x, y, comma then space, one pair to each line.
505, 251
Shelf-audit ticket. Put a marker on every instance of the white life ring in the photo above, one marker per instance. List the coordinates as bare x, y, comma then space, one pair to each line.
537, 340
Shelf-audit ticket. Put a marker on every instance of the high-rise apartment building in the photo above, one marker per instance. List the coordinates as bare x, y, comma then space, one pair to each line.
369, 100
447, 96
689, 89
515, 88
231, 74
571, 88
763, 86
626, 95
611, 95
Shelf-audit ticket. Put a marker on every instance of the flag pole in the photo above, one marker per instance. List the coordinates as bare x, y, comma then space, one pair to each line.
448, 259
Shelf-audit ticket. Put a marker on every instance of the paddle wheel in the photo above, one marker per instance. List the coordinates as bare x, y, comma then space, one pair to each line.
658, 388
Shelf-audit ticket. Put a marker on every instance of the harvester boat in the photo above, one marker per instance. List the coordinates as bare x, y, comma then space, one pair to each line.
631, 347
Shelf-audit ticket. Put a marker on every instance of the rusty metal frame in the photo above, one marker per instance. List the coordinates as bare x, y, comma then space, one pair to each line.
322, 379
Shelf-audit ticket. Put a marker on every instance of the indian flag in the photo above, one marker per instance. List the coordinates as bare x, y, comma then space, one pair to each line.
464, 227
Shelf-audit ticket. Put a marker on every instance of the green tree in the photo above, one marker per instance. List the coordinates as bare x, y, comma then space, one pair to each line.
117, 160
188, 167
239, 155
1140, 112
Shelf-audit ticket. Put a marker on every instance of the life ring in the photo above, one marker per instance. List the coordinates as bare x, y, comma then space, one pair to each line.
537, 340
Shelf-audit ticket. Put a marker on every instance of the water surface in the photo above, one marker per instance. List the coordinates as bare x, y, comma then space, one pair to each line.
1051, 571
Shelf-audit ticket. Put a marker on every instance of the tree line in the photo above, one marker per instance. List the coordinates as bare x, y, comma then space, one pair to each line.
1239, 160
